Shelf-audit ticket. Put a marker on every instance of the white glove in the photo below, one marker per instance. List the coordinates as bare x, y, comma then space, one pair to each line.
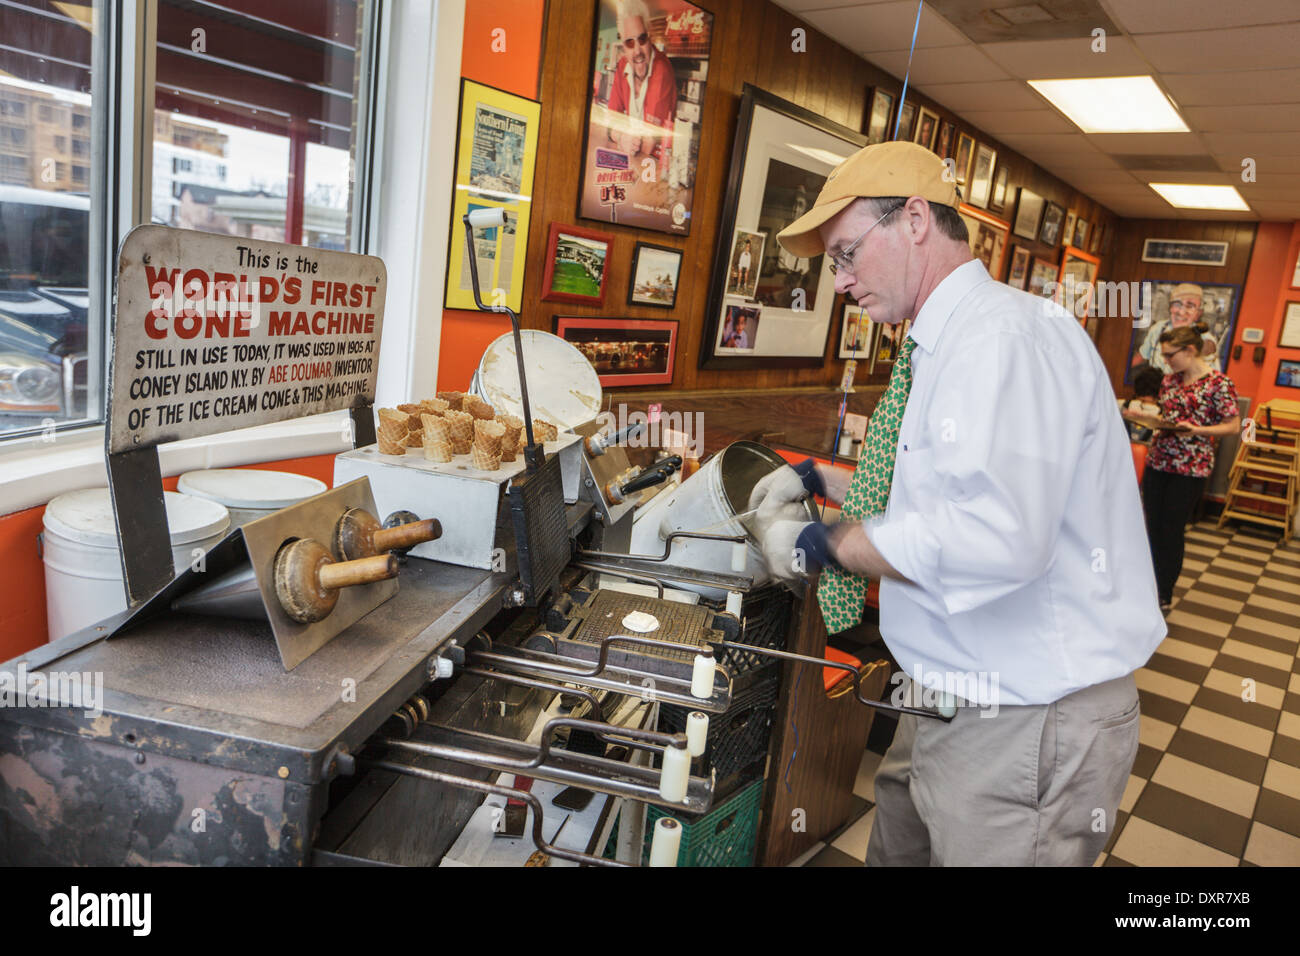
777, 526
782, 486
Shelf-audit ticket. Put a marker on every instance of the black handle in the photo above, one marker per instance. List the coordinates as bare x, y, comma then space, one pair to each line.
652, 475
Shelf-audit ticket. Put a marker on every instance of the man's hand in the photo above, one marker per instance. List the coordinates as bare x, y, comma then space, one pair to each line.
777, 526
787, 484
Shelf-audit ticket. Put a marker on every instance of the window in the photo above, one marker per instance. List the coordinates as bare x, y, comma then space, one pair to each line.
61, 144
80, 175
80, 147
80, 120
46, 114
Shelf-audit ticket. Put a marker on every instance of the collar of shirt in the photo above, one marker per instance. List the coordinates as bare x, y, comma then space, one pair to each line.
637, 100
935, 311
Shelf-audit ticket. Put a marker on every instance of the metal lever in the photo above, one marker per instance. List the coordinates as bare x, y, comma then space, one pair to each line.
597, 444
649, 477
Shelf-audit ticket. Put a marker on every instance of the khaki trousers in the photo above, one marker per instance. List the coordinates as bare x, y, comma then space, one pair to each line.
1032, 786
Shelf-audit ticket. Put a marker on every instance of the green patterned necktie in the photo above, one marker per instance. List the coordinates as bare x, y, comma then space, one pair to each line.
841, 594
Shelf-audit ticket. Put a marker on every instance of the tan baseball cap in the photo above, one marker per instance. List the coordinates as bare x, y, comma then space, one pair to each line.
885, 169
1186, 289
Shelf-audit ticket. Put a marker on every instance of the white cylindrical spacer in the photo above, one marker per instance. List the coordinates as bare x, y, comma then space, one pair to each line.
666, 842
734, 599
677, 768
702, 676
948, 705
486, 218
697, 732
738, 556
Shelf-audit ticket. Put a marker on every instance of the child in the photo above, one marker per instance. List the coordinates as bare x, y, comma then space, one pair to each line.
1145, 401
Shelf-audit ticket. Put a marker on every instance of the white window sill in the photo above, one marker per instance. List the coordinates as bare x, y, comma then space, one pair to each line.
33, 474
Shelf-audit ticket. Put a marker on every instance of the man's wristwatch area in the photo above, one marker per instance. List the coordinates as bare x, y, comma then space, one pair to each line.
816, 544
812, 481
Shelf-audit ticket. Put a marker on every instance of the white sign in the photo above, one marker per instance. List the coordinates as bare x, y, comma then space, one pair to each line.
213, 333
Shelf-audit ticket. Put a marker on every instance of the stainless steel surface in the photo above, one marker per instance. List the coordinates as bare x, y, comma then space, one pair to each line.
233, 594
650, 568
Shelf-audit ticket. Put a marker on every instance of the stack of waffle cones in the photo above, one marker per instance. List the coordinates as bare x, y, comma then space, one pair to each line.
460, 426
544, 431
510, 440
479, 408
437, 438
453, 400
485, 453
392, 432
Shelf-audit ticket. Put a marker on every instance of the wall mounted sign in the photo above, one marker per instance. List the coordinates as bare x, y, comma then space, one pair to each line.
1185, 252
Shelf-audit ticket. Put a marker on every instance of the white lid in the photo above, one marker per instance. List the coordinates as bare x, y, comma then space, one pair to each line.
563, 388
87, 516
250, 487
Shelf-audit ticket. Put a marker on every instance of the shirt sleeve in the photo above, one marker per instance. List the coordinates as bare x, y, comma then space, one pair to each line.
618, 89
1004, 431
1224, 402
661, 111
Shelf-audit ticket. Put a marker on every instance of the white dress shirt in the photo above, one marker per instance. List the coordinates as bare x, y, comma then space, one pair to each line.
1014, 508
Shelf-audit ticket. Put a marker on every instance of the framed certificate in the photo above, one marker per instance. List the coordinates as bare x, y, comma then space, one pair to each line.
1290, 335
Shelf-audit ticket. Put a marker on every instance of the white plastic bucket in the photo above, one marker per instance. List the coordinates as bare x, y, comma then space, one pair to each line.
709, 501
249, 493
83, 564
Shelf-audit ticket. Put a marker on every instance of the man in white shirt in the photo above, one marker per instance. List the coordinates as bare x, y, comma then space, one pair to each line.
1015, 577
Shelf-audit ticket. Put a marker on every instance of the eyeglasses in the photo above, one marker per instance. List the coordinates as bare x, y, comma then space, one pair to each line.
1168, 355
844, 258
643, 39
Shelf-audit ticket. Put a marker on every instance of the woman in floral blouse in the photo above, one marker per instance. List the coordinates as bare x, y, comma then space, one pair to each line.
1201, 405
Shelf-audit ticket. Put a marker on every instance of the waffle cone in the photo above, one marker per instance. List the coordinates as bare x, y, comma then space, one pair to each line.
435, 406
509, 449
436, 429
513, 427
488, 435
414, 439
461, 427
461, 447
387, 447
391, 415
482, 458
437, 450
544, 431
453, 399
479, 408
409, 408
392, 431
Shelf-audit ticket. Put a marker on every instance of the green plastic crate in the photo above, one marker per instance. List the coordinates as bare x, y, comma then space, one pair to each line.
725, 836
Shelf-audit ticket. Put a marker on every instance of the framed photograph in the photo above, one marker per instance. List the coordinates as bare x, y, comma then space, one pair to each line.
980, 186
1077, 281
1289, 337
905, 117
1295, 274
1169, 303
1288, 373
1185, 252
496, 155
856, 329
655, 270
1042, 275
1094, 239
998, 200
965, 153
1019, 273
1029, 213
882, 111
927, 128
944, 144
1050, 231
1070, 219
746, 259
739, 330
884, 350
1080, 234
623, 351
988, 237
780, 159
577, 261
634, 126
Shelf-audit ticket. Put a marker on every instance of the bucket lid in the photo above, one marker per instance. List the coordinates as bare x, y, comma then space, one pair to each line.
563, 388
86, 516
250, 487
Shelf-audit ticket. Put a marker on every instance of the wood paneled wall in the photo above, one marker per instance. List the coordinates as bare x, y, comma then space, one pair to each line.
1124, 264
752, 43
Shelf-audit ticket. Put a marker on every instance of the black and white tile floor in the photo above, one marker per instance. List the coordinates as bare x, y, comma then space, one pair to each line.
1217, 776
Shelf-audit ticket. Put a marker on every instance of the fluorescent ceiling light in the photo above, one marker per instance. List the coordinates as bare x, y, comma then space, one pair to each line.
1192, 196
1113, 104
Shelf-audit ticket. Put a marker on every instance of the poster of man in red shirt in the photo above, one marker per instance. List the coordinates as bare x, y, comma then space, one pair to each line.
647, 93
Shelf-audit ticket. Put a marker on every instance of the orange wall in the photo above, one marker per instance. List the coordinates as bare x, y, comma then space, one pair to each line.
23, 623
1263, 303
466, 334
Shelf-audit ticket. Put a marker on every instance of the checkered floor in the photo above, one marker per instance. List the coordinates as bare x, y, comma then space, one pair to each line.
1217, 776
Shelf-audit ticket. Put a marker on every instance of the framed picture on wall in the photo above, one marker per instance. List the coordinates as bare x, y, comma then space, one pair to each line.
1071, 218
1185, 252
981, 178
1168, 304
943, 146
655, 271
1289, 336
745, 262
630, 133
1019, 274
1077, 281
1094, 238
1288, 373
1050, 231
927, 128
1029, 213
884, 349
496, 155
988, 237
780, 159
1295, 274
1042, 275
1080, 233
997, 202
856, 329
965, 153
577, 262
881, 112
623, 351
905, 117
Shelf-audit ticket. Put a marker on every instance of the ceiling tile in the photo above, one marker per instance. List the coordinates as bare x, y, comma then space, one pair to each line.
1252, 144
1097, 178
1244, 117
1232, 87
955, 64
996, 95
1168, 176
1050, 142
999, 122
1265, 163
1155, 16
1067, 59
885, 26
1172, 144
1274, 211
1261, 48
1270, 186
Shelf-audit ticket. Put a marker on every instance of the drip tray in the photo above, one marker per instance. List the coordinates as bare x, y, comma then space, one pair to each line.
602, 615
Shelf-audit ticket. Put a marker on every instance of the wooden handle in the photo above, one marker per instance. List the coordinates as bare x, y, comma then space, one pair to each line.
407, 535
344, 574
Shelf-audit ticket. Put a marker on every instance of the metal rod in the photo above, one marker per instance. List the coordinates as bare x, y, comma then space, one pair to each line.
823, 662
635, 578
602, 660
483, 786
668, 543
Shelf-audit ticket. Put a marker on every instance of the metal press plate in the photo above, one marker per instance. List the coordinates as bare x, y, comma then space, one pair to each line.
314, 518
